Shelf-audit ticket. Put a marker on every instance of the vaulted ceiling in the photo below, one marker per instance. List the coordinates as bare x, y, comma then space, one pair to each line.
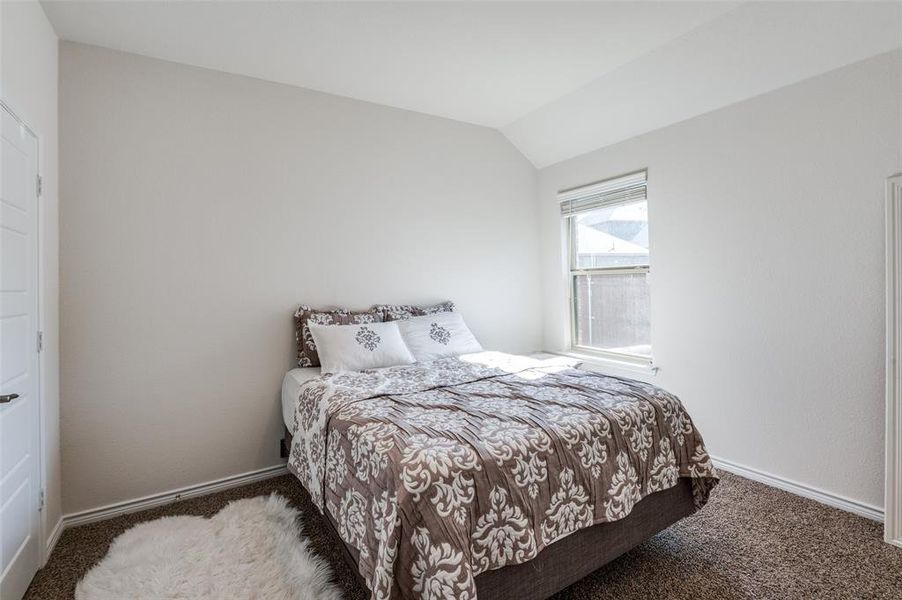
557, 78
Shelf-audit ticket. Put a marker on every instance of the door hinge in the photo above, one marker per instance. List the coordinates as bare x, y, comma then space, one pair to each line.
40, 341
41, 500
40, 186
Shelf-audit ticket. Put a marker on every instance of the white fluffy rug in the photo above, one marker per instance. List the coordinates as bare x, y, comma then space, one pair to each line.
250, 549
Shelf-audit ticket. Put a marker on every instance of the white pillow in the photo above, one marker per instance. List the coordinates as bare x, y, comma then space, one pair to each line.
433, 336
359, 347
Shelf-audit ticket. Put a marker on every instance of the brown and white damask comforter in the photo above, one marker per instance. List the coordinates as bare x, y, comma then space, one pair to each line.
437, 472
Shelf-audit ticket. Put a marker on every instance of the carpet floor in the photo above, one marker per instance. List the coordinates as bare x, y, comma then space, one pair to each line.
750, 541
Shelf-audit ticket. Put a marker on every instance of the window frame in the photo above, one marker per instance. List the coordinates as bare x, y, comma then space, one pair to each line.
573, 271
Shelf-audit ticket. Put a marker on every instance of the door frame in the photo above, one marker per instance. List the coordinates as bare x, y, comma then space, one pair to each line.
44, 528
892, 530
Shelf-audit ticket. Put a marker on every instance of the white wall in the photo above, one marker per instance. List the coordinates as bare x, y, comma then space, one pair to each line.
767, 250
28, 84
200, 208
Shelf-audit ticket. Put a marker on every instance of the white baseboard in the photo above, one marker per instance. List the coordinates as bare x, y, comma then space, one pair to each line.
155, 500
54, 538
111, 510
799, 489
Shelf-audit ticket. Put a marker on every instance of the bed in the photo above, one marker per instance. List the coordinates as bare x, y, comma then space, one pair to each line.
485, 475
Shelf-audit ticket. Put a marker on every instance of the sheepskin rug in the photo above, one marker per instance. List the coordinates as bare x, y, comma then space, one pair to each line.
251, 549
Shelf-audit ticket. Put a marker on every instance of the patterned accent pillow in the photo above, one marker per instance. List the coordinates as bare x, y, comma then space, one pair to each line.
360, 347
433, 336
401, 312
307, 354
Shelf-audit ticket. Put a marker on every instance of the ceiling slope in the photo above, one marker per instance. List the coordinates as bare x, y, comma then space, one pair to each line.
749, 51
487, 63
557, 78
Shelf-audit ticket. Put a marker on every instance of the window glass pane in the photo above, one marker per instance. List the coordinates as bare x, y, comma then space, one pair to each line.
612, 237
611, 312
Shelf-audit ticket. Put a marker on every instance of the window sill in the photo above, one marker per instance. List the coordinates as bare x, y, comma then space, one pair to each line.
616, 368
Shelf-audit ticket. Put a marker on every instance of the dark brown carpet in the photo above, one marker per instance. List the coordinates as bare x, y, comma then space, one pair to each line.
751, 541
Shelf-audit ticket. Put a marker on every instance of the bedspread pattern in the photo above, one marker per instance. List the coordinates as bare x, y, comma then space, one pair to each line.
438, 472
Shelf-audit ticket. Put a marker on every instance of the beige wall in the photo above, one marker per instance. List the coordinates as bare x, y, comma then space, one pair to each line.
28, 84
767, 253
200, 208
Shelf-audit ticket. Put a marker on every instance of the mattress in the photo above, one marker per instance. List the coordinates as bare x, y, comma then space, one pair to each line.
291, 386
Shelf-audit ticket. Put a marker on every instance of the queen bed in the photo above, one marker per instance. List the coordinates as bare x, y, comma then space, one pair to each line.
490, 475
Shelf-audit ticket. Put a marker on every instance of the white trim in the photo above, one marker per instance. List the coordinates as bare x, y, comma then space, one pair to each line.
607, 366
42, 354
192, 491
607, 360
800, 489
53, 539
892, 531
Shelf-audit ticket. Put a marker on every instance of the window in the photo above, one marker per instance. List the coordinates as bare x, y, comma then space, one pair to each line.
607, 228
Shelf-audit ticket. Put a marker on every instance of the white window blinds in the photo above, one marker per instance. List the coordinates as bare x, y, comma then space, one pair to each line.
621, 189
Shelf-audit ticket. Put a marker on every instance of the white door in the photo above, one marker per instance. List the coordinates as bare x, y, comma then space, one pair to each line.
20, 480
